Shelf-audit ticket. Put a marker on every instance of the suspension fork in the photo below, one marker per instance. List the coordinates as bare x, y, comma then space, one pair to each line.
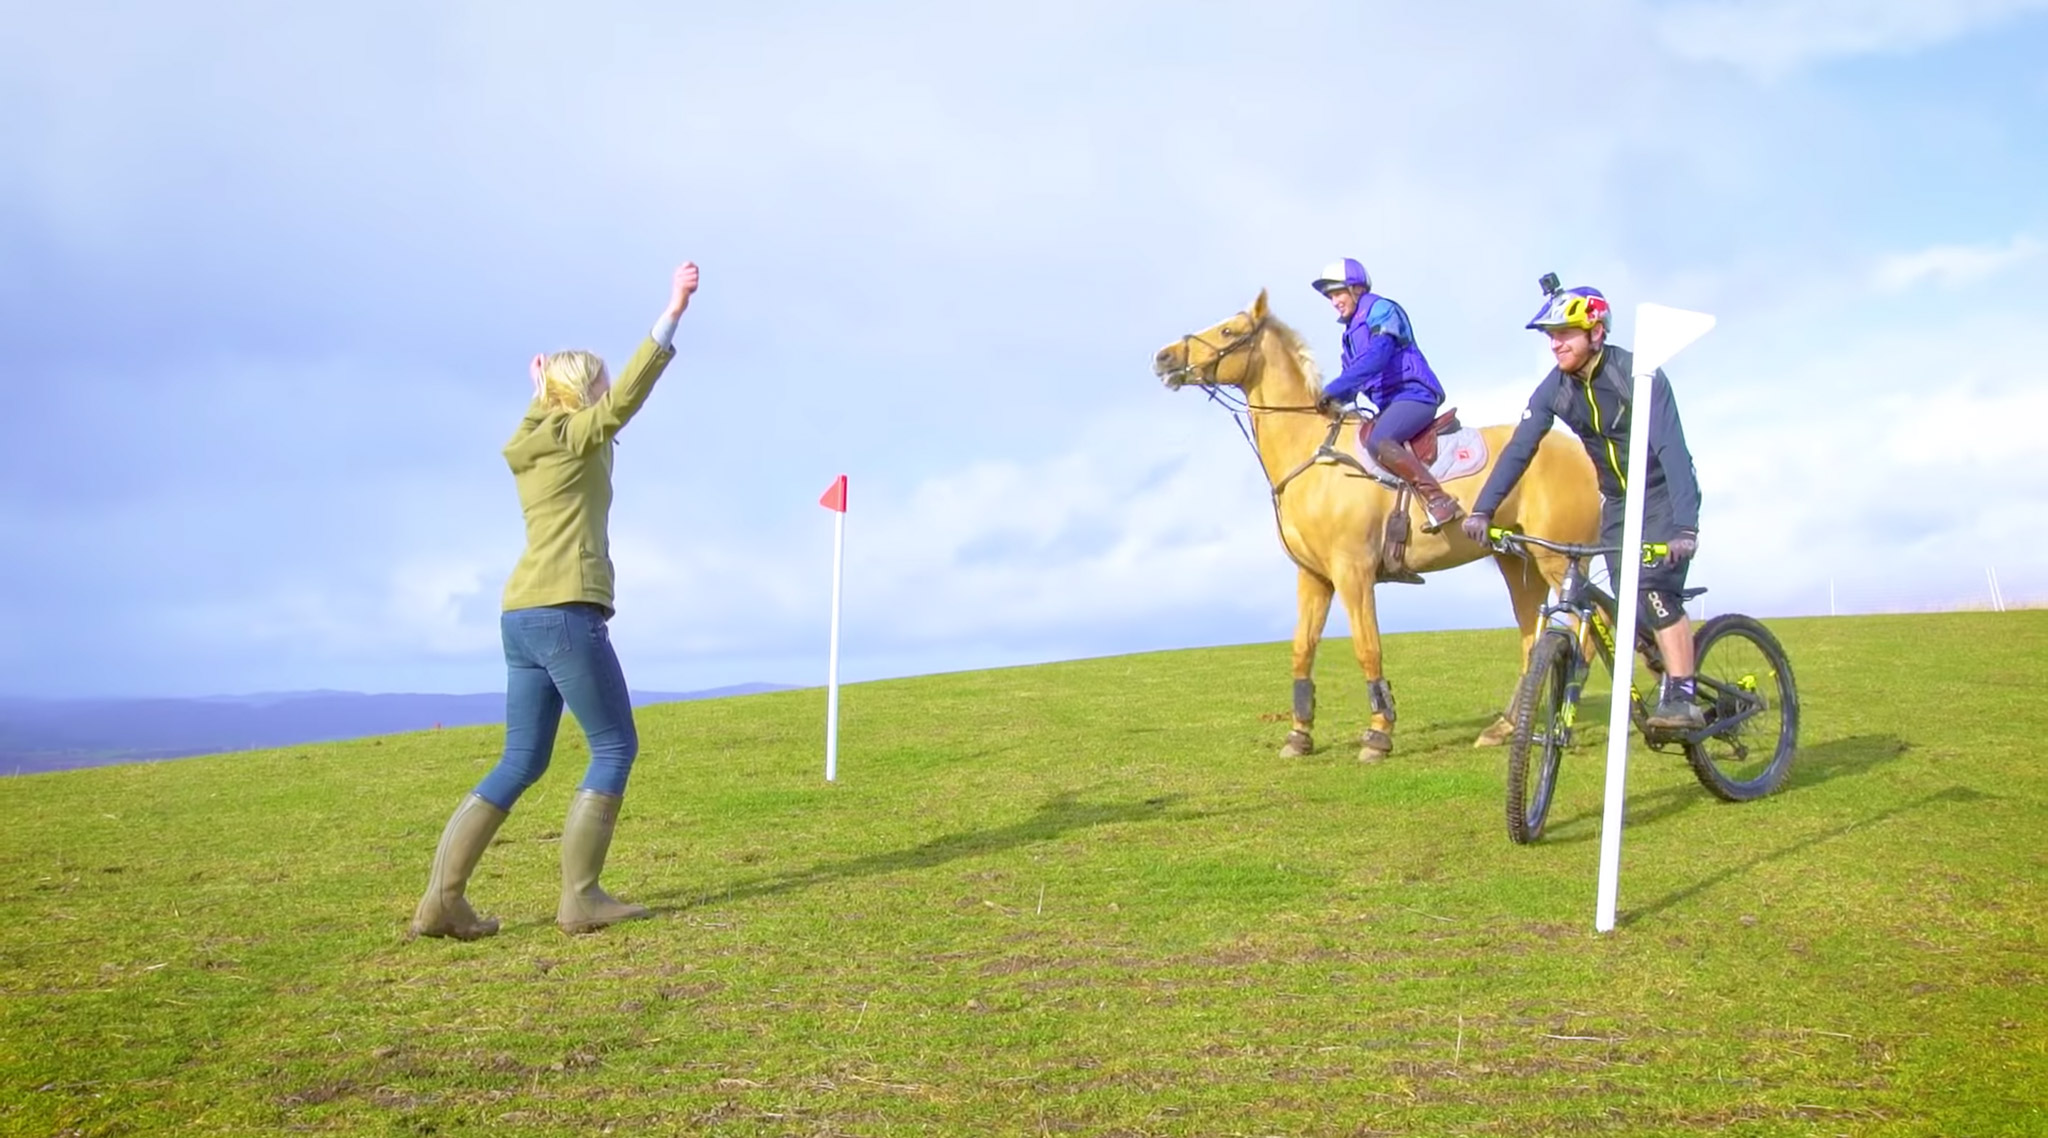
1576, 619
1575, 680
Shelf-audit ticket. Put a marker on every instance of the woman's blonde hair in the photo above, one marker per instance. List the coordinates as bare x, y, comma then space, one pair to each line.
569, 378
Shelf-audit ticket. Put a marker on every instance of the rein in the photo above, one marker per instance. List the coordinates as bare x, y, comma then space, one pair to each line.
1241, 407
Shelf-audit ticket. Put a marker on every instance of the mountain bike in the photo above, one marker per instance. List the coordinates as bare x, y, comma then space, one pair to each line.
1744, 688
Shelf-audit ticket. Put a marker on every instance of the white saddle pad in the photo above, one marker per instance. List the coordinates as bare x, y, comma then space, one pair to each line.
1459, 453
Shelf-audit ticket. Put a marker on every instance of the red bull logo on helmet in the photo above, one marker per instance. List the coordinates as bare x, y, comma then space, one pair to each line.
1572, 308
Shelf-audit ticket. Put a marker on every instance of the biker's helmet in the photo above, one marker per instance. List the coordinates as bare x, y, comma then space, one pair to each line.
1573, 308
1346, 273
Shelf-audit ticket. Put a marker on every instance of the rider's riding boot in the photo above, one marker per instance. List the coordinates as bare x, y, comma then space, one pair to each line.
1676, 708
444, 910
1402, 463
586, 838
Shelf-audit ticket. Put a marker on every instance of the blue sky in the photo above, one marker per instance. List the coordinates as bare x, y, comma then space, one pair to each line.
269, 276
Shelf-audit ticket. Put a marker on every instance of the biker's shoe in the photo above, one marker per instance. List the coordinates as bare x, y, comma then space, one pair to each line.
1676, 709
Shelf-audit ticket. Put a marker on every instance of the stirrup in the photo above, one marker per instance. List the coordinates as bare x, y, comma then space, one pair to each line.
1429, 522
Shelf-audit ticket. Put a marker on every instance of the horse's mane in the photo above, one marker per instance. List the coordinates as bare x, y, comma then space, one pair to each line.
1303, 358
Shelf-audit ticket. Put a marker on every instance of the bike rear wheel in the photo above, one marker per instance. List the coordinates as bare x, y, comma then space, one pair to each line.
1743, 675
1541, 719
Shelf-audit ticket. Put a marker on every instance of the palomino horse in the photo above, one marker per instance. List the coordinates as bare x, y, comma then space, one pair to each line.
1332, 516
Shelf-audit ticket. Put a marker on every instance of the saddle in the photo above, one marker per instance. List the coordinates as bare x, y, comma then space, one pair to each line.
1423, 446
1394, 545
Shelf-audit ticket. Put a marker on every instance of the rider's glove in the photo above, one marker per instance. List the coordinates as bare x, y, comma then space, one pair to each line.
1683, 546
1475, 526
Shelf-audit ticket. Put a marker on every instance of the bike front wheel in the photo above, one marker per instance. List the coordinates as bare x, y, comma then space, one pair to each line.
1745, 688
1543, 718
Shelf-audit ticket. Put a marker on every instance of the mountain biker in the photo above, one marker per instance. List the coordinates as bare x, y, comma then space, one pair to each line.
1590, 390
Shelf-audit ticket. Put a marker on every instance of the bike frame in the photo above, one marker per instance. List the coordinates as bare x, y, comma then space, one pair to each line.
1586, 613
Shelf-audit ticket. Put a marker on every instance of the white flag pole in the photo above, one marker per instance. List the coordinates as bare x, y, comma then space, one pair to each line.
832, 668
1660, 334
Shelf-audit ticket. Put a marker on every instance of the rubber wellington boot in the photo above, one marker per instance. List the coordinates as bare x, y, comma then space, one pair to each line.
586, 838
444, 911
1441, 509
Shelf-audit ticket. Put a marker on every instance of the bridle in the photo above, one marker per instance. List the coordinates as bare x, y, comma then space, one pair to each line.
1240, 406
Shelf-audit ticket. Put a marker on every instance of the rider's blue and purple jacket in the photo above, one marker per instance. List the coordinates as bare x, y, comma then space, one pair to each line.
1381, 361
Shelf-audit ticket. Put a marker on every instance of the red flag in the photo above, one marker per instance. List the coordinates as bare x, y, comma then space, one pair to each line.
835, 498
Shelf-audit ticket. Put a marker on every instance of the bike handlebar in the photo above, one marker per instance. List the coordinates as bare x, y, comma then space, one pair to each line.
1505, 540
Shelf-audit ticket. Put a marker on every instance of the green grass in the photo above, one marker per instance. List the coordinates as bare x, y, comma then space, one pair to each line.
1084, 898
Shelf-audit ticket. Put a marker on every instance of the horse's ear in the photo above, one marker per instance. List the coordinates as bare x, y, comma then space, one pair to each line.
1258, 309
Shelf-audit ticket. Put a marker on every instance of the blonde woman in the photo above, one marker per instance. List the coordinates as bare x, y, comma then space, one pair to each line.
557, 648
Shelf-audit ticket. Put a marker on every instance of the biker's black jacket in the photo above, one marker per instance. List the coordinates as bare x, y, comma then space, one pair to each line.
1598, 411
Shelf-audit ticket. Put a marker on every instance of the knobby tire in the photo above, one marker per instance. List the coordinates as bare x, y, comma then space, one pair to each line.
1536, 747
1737, 662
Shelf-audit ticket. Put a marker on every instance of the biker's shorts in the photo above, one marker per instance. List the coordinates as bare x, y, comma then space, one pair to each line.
1657, 526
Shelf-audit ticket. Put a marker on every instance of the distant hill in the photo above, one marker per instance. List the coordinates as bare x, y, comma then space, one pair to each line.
50, 735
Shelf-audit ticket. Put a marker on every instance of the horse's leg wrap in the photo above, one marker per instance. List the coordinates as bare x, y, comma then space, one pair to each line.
1382, 692
1304, 701
1299, 741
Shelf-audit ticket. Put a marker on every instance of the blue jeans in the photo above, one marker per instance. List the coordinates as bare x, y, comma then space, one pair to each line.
560, 654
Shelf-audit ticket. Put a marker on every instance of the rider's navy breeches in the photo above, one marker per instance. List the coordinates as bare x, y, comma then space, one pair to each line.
1400, 421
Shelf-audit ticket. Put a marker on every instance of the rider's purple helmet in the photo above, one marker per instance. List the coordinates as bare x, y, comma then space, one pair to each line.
1346, 273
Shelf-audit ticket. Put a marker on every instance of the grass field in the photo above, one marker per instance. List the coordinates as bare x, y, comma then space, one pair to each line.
1083, 898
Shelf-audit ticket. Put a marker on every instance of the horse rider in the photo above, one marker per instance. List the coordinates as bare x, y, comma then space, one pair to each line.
1383, 365
1590, 390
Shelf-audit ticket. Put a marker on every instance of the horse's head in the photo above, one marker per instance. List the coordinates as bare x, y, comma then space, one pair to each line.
1219, 354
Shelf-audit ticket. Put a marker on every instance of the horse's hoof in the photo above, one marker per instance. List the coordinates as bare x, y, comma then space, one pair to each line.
1298, 745
1374, 746
1496, 734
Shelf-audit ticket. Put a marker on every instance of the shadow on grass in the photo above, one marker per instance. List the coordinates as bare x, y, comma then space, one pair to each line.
1811, 767
1643, 810
1857, 754
1962, 795
1063, 814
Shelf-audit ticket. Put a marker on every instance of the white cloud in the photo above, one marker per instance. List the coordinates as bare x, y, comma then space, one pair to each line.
997, 218
1894, 471
1156, 523
1774, 37
1951, 266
